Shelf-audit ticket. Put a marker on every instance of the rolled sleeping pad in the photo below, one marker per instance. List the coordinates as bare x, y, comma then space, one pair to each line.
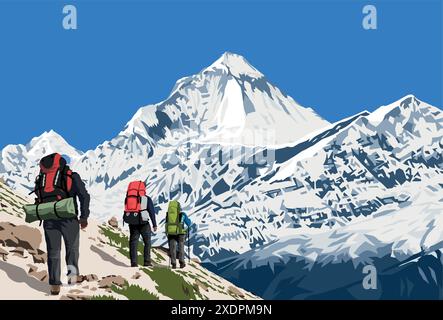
56, 210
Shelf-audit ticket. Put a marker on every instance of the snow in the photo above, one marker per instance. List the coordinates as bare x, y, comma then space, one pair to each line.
231, 116
354, 188
235, 64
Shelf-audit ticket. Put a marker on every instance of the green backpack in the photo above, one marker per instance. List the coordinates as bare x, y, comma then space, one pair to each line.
173, 225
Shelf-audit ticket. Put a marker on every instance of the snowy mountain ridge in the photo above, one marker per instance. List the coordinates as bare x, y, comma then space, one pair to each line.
321, 194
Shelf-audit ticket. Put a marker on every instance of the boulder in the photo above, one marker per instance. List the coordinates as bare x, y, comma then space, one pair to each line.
3, 254
236, 291
19, 236
76, 297
19, 252
76, 279
39, 275
32, 268
108, 281
136, 276
39, 256
113, 222
90, 277
75, 291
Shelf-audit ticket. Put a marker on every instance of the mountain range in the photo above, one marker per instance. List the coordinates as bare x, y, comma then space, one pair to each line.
273, 189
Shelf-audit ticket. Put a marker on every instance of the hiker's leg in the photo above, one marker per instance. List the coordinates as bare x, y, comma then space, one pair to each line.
134, 235
181, 249
173, 249
146, 234
53, 238
70, 229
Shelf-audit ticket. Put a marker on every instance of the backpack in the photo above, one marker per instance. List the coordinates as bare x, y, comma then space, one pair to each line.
54, 182
174, 226
133, 202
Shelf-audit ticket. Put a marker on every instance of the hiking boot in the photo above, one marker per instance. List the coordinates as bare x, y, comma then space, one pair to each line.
134, 264
174, 266
182, 265
148, 264
55, 290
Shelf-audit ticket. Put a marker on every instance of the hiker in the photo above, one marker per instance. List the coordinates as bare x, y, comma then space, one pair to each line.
56, 182
177, 227
139, 211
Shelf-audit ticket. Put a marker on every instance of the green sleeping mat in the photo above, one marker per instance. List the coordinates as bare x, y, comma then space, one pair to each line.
62, 209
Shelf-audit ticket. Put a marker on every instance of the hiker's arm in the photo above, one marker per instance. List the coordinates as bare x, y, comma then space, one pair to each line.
151, 211
83, 196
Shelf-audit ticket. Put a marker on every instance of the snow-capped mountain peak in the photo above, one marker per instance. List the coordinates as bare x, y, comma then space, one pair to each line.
19, 163
235, 65
228, 102
50, 142
403, 107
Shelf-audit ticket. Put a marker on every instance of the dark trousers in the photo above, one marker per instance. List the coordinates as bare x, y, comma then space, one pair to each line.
173, 241
55, 230
134, 235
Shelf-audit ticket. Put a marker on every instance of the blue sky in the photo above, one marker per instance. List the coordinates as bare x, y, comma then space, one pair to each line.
86, 84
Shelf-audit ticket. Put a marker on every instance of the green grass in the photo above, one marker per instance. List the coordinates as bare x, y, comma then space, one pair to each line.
102, 298
169, 283
213, 286
121, 242
172, 284
134, 292
13, 205
158, 256
115, 239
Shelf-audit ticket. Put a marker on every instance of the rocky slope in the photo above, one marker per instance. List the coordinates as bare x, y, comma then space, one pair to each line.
103, 264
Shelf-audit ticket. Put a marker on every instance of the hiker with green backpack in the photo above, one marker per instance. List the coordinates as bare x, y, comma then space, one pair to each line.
177, 227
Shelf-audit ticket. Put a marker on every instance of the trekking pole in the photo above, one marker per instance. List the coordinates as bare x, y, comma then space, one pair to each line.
189, 250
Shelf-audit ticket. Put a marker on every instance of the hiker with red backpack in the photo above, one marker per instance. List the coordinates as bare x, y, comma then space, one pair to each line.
57, 189
139, 212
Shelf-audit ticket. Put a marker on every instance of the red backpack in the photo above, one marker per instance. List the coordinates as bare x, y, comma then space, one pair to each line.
136, 190
54, 182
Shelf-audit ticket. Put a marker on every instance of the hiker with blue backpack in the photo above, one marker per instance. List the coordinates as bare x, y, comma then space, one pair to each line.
177, 227
139, 213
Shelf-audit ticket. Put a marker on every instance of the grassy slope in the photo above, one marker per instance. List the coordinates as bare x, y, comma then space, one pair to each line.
192, 283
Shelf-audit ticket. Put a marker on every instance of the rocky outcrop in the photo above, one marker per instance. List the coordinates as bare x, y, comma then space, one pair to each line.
113, 222
23, 241
109, 281
21, 236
